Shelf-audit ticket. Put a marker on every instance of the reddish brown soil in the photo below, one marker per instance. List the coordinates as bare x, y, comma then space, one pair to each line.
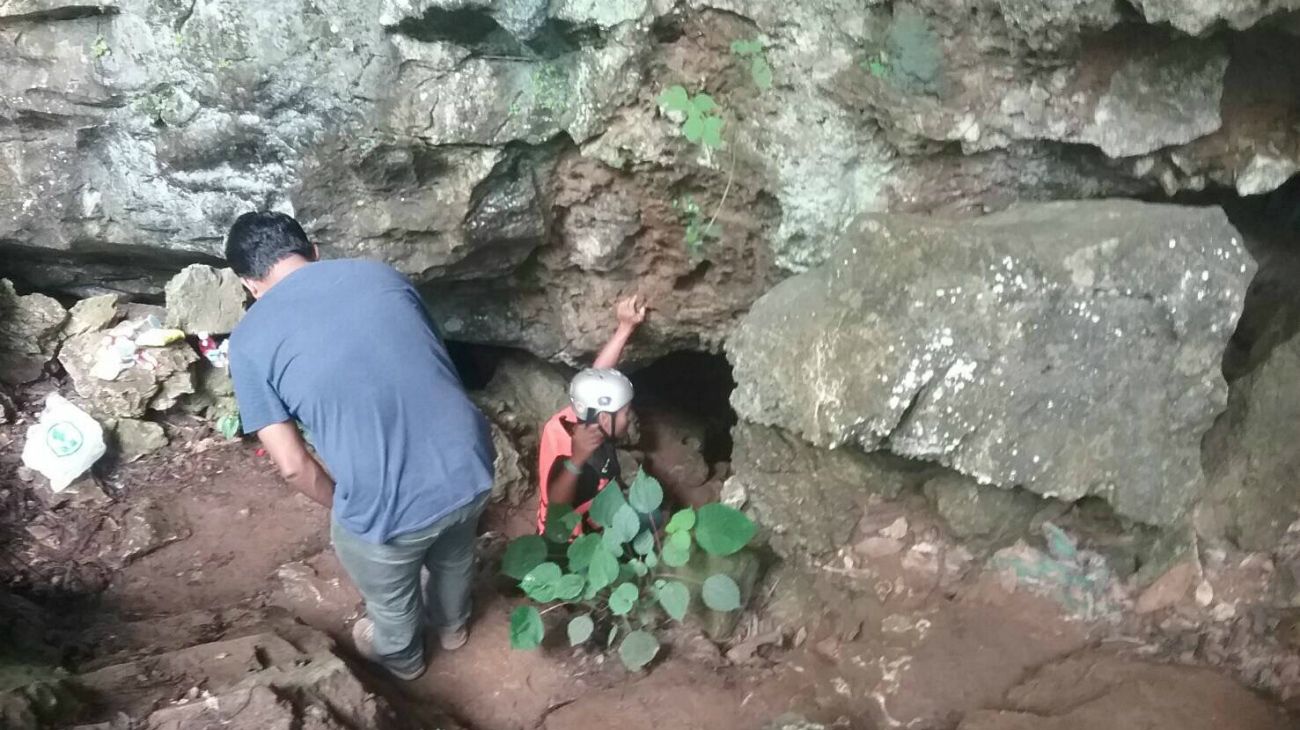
244, 540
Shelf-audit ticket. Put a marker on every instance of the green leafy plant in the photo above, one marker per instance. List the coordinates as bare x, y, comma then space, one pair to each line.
701, 117
627, 580
229, 425
698, 229
759, 69
100, 49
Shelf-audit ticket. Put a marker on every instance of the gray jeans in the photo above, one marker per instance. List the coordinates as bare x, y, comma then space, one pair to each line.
388, 577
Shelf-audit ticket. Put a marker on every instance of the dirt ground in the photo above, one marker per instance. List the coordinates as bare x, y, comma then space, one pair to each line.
208, 527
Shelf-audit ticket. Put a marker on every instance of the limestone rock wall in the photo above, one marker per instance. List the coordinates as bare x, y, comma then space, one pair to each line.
514, 158
512, 154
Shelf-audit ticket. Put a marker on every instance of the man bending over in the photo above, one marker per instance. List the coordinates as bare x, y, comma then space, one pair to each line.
347, 349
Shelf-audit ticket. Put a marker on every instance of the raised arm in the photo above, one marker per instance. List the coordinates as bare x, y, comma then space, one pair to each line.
631, 313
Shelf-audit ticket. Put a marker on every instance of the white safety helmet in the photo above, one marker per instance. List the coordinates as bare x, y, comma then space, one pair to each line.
599, 391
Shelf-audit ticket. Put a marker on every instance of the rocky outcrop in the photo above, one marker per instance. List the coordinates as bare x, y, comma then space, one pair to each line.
155, 379
809, 500
1094, 691
1072, 349
1200, 16
29, 333
511, 155
204, 299
266, 673
1250, 456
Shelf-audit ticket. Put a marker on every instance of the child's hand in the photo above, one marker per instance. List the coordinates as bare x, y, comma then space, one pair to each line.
631, 311
587, 437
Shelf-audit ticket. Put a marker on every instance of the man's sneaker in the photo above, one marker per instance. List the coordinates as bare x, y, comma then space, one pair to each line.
453, 639
363, 637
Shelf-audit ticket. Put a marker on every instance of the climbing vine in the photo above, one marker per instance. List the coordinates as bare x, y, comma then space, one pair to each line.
622, 584
698, 230
752, 50
701, 122
699, 116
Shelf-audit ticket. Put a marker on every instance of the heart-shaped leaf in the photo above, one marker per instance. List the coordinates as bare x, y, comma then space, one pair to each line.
569, 587
638, 650
627, 523
677, 549
580, 628
646, 494
581, 550
541, 582
711, 132
606, 504
675, 597
693, 128
722, 530
675, 98
682, 521
721, 593
602, 571
703, 103
526, 628
623, 598
644, 544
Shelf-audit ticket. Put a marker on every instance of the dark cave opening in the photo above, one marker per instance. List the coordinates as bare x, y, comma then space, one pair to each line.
682, 404
698, 385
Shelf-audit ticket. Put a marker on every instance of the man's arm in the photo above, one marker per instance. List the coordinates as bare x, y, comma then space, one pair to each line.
296, 464
631, 313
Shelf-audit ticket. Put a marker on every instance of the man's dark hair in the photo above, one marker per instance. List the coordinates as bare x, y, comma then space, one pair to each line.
259, 241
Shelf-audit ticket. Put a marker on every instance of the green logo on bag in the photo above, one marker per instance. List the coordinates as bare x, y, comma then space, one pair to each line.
64, 439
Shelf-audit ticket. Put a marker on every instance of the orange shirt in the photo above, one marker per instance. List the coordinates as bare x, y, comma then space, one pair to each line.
557, 443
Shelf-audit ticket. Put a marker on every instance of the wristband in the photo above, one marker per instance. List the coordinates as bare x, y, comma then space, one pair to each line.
571, 467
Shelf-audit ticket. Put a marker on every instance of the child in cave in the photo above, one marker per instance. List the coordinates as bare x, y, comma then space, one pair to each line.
577, 454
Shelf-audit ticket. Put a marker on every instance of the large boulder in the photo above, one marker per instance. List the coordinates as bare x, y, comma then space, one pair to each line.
1070, 348
205, 299
29, 333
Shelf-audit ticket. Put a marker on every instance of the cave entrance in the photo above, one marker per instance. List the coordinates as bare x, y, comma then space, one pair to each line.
683, 402
683, 405
697, 385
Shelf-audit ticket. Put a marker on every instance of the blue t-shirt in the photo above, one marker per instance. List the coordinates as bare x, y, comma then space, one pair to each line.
347, 349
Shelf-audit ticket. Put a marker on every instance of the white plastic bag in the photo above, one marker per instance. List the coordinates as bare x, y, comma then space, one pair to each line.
64, 443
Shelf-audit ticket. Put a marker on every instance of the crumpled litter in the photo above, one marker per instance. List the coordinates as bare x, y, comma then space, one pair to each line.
217, 355
124, 347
